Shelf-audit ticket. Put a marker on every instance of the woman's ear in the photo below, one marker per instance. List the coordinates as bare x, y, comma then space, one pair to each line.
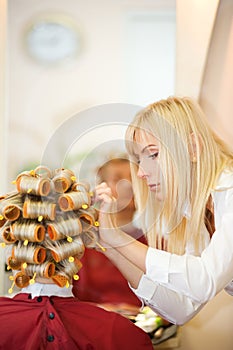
195, 147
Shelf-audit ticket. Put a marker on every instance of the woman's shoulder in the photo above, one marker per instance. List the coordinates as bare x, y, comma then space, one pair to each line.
225, 180
223, 194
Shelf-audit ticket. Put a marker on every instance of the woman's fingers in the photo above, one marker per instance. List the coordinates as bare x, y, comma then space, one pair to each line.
105, 197
106, 206
103, 194
102, 189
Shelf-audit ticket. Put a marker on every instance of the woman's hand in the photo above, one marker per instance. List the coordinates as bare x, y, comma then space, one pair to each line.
110, 234
106, 205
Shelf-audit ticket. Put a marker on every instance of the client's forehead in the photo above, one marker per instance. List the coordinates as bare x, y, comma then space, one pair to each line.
119, 169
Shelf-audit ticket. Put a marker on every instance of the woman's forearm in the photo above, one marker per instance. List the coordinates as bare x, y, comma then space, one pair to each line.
128, 269
131, 249
135, 252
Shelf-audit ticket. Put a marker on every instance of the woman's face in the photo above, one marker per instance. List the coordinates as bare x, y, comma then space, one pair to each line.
149, 170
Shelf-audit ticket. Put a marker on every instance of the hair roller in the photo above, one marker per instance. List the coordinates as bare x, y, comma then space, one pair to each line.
43, 171
21, 280
11, 206
66, 271
13, 263
47, 269
11, 212
88, 217
64, 227
60, 279
80, 187
39, 255
28, 230
35, 185
33, 209
7, 235
62, 249
63, 179
30, 253
74, 200
3, 220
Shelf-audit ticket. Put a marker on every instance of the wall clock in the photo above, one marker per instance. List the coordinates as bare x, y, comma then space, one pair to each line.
52, 40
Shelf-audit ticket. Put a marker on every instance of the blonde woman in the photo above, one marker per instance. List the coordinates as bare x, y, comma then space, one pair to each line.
182, 177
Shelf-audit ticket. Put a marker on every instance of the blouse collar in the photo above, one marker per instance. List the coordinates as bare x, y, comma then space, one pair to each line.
225, 180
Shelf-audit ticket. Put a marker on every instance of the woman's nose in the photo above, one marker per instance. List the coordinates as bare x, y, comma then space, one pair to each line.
141, 173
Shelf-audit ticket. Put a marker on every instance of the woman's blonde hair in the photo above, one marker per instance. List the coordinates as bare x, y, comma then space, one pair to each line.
191, 157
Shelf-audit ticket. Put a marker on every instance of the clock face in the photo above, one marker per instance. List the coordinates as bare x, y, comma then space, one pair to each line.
52, 42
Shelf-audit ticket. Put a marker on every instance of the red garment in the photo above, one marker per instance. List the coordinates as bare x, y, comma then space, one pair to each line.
57, 323
101, 282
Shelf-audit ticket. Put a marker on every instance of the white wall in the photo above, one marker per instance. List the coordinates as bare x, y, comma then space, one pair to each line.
42, 97
216, 91
195, 21
150, 46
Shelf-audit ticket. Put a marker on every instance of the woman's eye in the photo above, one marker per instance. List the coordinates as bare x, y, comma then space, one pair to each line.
154, 155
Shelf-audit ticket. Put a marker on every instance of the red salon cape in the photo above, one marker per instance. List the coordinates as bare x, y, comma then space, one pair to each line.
59, 323
101, 282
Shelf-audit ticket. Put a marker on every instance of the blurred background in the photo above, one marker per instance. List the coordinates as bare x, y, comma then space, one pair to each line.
62, 58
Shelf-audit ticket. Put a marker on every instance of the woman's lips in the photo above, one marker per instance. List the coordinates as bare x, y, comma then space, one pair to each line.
154, 187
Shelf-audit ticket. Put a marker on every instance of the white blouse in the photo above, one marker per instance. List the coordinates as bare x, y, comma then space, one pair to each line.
177, 287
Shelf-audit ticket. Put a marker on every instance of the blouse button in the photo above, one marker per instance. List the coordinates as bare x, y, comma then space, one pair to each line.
51, 315
50, 338
39, 299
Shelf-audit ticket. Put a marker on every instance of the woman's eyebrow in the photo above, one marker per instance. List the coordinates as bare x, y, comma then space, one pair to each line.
148, 146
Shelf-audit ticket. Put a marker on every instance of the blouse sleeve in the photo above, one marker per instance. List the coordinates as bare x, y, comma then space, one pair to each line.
176, 286
169, 304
